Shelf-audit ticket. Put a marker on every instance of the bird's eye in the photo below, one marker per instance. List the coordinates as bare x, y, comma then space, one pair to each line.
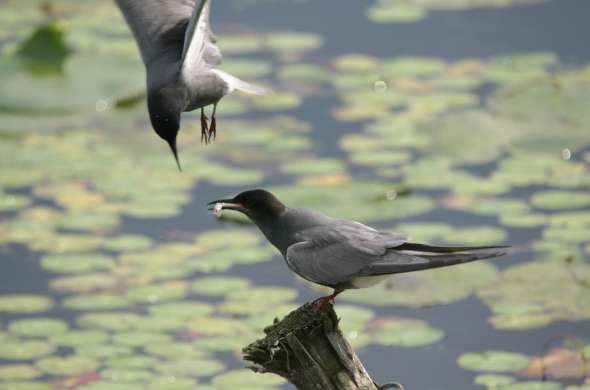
165, 119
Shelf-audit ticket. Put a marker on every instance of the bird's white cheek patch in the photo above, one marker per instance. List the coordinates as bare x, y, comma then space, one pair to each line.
217, 209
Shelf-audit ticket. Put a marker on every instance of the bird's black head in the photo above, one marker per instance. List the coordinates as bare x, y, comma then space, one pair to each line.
257, 204
165, 107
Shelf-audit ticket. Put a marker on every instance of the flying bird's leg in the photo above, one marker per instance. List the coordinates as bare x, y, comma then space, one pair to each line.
213, 128
204, 127
319, 303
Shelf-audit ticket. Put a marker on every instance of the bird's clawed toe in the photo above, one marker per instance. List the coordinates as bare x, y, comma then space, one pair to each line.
212, 129
205, 133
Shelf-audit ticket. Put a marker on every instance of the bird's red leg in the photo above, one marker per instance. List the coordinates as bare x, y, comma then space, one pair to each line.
204, 127
319, 303
213, 128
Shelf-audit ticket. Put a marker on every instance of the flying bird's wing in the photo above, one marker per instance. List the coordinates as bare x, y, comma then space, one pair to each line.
158, 26
336, 255
199, 44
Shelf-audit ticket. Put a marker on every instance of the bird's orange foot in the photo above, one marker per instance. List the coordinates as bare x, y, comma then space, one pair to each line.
204, 129
212, 129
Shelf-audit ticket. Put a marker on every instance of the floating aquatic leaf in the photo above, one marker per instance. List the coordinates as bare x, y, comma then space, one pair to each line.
558, 363
109, 320
246, 380
182, 309
293, 41
535, 385
77, 263
25, 350
13, 372
527, 289
103, 351
13, 202
125, 375
38, 327
84, 283
157, 293
314, 166
66, 365
174, 350
493, 361
387, 12
491, 381
128, 243
217, 326
25, 386
24, 303
96, 302
219, 285
79, 338
195, 367
560, 199
427, 287
404, 332
132, 361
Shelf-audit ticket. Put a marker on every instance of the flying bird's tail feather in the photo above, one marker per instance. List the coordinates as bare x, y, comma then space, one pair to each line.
235, 83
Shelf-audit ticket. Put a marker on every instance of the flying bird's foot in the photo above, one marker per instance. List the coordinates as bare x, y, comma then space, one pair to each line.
212, 129
205, 134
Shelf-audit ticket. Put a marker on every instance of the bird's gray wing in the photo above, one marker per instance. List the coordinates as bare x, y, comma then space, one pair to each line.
200, 49
159, 26
333, 255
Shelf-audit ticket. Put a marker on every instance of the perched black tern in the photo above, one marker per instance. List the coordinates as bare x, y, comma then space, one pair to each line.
342, 254
179, 53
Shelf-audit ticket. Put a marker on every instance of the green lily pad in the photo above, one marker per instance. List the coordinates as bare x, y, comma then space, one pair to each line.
425, 288
246, 380
194, 367
24, 303
533, 385
79, 263
404, 332
494, 361
219, 285
523, 296
182, 309
25, 350
38, 327
128, 243
25, 386
96, 302
560, 200
66, 365
492, 381
12, 372
13, 202
293, 41
79, 338
132, 361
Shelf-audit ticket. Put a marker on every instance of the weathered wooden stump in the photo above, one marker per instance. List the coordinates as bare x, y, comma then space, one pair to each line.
309, 350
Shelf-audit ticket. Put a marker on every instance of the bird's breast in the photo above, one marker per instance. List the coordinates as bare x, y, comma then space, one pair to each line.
204, 89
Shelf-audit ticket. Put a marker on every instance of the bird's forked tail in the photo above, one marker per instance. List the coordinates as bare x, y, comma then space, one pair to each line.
235, 83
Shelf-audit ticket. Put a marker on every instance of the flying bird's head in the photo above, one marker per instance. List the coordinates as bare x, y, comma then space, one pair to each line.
258, 205
165, 107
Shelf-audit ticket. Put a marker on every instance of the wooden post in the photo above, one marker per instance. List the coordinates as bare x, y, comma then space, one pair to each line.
308, 349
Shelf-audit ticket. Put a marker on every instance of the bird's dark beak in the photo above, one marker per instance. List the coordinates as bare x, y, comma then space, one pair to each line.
172, 143
224, 204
